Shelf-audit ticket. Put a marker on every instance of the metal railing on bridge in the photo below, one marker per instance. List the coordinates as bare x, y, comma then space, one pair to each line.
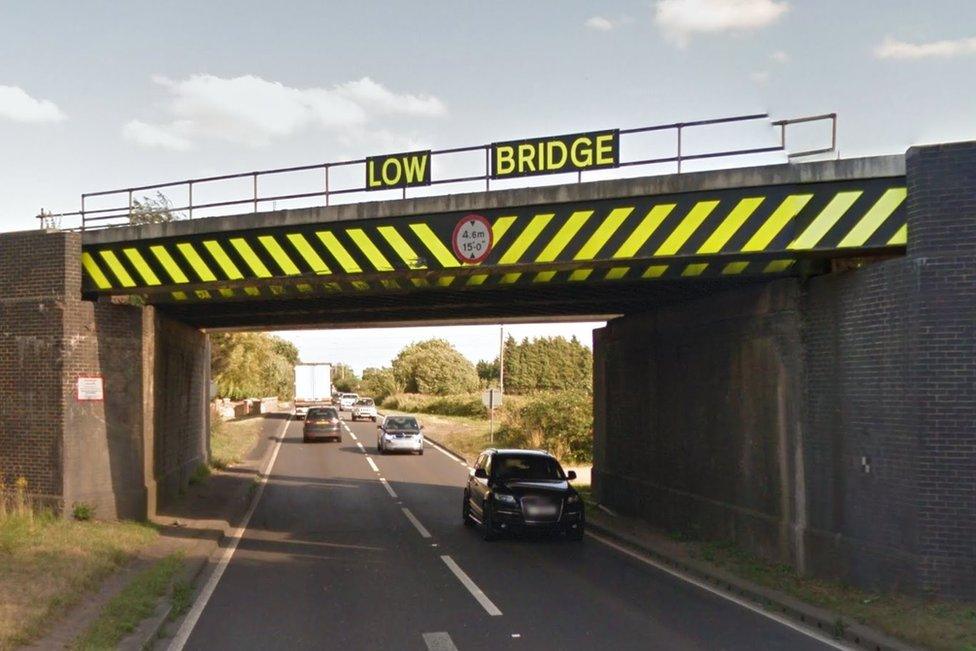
105, 217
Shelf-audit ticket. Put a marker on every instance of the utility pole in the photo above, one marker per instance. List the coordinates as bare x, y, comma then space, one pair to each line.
501, 358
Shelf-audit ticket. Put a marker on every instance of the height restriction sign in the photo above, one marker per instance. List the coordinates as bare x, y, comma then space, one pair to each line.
472, 239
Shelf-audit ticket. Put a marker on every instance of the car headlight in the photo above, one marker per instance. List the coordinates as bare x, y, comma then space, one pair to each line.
572, 499
504, 498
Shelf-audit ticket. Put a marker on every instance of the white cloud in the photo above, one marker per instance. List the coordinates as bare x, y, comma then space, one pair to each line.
151, 135
679, 19
892, 48
780, 56
759, 77
17, 105
252, 111
604, 24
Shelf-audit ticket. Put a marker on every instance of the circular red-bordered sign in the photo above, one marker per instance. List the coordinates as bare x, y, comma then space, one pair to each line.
472, 239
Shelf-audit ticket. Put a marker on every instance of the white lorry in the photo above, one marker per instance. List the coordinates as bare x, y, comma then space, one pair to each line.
313, 386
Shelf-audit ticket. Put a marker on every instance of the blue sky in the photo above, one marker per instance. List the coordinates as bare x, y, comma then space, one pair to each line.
98, 95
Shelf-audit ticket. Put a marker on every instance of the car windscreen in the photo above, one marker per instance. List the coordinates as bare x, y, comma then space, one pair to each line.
322, 413
401, 422
526, 466
366, 402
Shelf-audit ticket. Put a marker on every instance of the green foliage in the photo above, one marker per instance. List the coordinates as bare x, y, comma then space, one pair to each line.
344, 379
488, 372
200, 474
83, 512
547, 364
558, 421
378, 383
252, 365
435, 367
467, 404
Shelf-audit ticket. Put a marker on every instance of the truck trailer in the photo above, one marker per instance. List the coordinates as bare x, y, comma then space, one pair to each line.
313, 386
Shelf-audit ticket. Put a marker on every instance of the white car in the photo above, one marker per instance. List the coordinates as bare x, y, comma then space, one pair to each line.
347, 400
364, 408
301, 411
400, 434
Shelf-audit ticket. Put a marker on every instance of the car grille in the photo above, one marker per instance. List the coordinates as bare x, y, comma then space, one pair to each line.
532, 502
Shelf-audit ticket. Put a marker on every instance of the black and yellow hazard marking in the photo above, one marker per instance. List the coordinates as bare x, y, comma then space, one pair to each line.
730, 233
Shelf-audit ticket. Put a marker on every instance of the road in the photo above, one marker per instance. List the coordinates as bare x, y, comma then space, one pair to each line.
347, 549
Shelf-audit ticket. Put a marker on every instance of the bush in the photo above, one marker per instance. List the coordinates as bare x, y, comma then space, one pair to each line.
558, 421
83, 512
436, 367
466, 404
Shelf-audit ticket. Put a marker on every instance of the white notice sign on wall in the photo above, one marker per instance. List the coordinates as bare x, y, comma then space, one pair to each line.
90, 388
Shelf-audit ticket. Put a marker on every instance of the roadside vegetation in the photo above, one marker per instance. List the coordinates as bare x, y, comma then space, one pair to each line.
47, 563
230, 441
252, 365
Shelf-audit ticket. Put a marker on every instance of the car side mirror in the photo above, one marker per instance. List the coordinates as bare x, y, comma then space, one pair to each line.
571, 475
480, 473
379, 427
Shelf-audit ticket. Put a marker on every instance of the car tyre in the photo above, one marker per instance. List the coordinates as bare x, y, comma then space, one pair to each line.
489, 533
466, 511
576, 535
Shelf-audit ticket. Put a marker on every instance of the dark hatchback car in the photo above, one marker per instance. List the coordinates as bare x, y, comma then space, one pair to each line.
519, 491
322, 423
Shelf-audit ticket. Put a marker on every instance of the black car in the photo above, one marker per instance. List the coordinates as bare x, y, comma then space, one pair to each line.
522, 490
322, 423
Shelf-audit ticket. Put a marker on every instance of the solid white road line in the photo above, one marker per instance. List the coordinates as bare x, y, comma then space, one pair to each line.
475, 591
354, 437
372, 464
186, 628
724, 595
449, 455
361, 446
389, 489
415, 522
439, 642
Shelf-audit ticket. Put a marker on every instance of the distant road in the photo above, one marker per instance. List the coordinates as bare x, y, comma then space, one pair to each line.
348, 549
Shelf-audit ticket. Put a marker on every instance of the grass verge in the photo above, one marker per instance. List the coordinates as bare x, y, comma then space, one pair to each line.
48, 563
230, 441
136, 602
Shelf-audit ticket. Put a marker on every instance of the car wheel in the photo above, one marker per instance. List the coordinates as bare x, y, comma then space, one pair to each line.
466, 511
488, 534
421, 453
374, 419
575, 534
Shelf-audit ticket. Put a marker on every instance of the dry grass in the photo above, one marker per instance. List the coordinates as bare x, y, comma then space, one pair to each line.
231, 441
47, 563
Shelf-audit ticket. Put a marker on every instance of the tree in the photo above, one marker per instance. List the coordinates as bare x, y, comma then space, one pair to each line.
252, 365
487, 371
547, 363
435, 367
344, 379
379, 383
152, 210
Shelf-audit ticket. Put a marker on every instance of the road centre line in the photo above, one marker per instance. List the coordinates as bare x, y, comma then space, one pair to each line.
415, 522
724, 595
186, 628
389, 489
475, 591
372, 464
440, 641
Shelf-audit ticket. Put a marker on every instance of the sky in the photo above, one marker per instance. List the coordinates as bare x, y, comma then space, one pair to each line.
101, 95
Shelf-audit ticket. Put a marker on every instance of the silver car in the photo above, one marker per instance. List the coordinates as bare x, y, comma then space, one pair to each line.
400, 434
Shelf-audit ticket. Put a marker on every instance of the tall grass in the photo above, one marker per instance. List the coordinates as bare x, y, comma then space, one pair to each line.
15, 500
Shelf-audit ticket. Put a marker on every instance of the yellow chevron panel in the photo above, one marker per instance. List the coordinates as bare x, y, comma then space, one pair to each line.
686, 228
525, 239
777, 266
227, 293
402, 248
616, 273
874, 217
196, 262
94, 271
137, 261
441, 253
223, 260
309, 254
499, 227
169, 264
116, 266
250, 257
786, 211
695, 269
731, 224
335, 247
562, 238
373, 254
271, 245
654, 217
900, 237
655, 271
734, 268
826, 220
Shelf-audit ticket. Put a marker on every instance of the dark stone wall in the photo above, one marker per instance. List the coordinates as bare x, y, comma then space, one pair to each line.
152, 425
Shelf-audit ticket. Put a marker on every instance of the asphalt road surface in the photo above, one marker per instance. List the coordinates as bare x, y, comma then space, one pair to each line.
347, 549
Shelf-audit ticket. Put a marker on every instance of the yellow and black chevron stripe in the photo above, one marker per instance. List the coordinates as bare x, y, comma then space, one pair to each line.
722, 233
